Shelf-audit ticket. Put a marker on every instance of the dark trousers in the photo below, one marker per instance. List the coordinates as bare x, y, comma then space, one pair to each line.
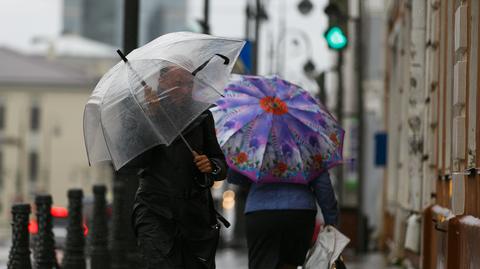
276, 237
168, 243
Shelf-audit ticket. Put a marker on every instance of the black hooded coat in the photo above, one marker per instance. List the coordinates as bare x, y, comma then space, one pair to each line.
173, 216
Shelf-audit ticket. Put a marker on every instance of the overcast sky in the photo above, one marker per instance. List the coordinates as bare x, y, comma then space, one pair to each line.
21, 20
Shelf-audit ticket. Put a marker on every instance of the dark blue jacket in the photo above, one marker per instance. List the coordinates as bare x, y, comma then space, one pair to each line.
279, 196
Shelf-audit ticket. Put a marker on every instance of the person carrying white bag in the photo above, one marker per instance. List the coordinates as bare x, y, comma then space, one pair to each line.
326, 251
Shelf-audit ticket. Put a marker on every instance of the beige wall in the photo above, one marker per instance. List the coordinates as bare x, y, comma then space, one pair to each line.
59, 143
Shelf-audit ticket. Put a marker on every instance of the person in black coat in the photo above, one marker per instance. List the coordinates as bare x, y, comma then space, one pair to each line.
173, 216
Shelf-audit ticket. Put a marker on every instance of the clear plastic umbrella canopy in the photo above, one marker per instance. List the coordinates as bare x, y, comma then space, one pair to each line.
153, 97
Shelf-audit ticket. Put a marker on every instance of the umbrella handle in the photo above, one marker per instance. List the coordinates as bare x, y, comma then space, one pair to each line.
225, 59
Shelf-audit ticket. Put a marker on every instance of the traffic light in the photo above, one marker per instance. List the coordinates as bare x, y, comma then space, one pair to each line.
336, 34
336, 39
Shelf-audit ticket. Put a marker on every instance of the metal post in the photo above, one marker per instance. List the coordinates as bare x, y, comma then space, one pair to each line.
322, 94
256, 47
119, 238
362, 238
130, 25
19, 257
248, 13
45, 257
74, 251
130, 42
99, 255
206, 16
339, 113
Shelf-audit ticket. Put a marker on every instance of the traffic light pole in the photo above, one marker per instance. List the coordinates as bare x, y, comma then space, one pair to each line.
130, 42
256, 45
362, 233
339, 113
206, 16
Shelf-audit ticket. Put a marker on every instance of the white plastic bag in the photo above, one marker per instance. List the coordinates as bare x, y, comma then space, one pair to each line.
328, 247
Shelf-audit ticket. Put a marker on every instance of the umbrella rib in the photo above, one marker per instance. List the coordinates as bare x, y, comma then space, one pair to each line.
283, 123
168, 118
85, 137
105, 137
296, 142
265, 151
259, 113
193, 39
299, 120
144, 84
322, 134
102, 100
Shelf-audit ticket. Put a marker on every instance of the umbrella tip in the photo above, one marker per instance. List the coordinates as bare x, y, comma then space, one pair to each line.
122, 55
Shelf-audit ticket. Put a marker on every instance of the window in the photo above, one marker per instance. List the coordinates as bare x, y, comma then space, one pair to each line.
33, 166
2, 172
2, 115
34, 118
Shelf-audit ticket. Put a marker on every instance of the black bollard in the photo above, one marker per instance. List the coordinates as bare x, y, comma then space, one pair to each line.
19, 257
45, 257
99, 255
74, 251
119, 239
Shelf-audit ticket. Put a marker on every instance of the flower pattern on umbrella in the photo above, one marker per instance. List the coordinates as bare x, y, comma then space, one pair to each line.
273, 131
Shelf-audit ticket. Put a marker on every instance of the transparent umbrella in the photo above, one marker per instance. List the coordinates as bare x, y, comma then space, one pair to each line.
151, 96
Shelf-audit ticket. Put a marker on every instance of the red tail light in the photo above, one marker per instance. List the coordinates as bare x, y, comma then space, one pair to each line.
33, 227
85, 229
59, 212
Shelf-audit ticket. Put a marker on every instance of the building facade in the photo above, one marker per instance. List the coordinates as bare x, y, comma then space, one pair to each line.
41, 132
103, 20
431, 206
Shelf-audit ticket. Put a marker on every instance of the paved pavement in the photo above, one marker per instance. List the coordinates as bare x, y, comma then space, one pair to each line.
370, 261
4, 250
231, 259
237, 259
228, 258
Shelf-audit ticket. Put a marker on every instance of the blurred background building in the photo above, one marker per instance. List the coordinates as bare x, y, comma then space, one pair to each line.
404, 86
103, 21
431, 194
41, 130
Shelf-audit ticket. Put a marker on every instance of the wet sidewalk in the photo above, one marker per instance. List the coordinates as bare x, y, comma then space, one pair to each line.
237, 259
229, 258
370, 261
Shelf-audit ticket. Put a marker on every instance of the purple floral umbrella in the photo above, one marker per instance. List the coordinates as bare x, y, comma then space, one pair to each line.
273, 131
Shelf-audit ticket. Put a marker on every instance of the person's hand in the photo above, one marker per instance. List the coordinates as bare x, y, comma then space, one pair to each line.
202, 162
150, 95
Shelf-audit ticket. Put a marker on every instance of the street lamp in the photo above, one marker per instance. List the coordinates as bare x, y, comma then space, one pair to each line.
305, 6
297, 36
309, 67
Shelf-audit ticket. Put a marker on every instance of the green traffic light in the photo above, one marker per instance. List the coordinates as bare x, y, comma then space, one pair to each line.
336, 39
